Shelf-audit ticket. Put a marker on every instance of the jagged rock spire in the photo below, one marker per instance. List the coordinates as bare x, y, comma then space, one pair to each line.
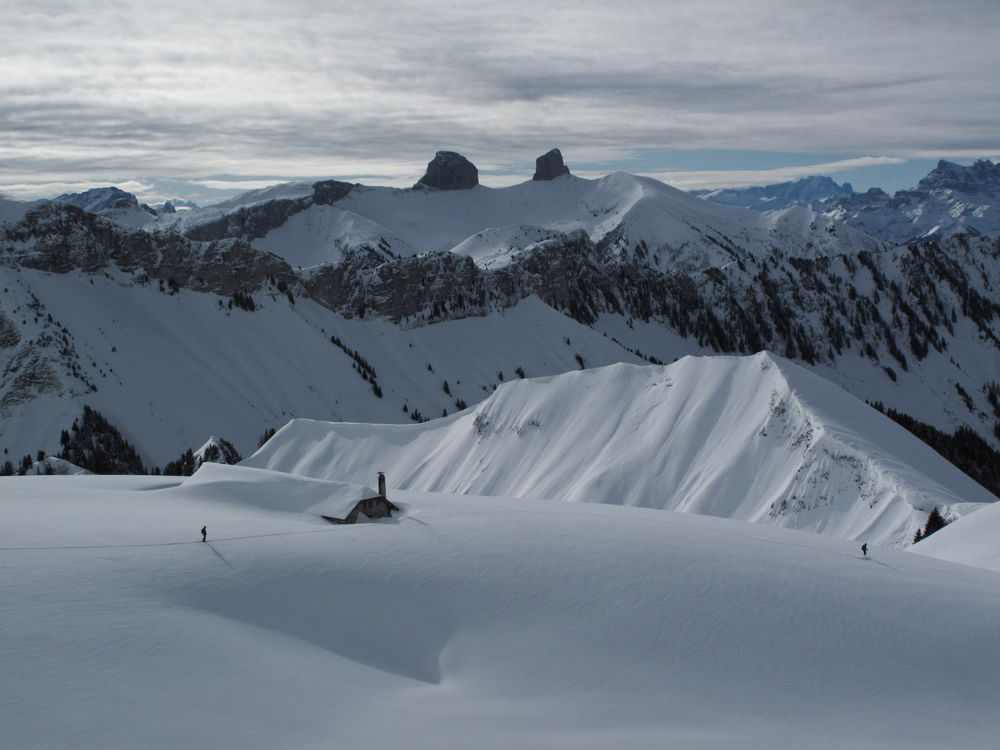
550, 165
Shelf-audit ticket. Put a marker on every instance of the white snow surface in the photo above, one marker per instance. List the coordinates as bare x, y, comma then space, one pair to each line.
468, 622
973, 540
753, 438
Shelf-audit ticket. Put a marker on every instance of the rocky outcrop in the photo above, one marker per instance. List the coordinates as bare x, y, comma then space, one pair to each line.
550, 165
252, 222
449, 171
421, 289
328, 192
59, 238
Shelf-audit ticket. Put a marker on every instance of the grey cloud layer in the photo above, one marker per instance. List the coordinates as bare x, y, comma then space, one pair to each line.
250, 87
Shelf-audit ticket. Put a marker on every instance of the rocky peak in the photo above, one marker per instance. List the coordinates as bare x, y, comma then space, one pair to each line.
450, 171
982, 176
96, 200
550, 165
328, 192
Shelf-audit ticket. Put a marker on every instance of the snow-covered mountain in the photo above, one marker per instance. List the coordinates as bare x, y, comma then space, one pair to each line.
468, 622
814, 191
625, 215
951, 199
753, 438
112, 203
178, 334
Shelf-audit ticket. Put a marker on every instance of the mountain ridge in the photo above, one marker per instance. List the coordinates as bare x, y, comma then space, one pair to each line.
752, 438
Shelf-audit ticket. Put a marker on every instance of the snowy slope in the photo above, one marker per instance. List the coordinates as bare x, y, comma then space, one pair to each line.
678, 230
971, 541
468, 622
754, 438
172, 369
323, 234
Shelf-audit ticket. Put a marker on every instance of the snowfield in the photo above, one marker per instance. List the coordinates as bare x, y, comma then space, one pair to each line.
753, 438
468, 622
971, 541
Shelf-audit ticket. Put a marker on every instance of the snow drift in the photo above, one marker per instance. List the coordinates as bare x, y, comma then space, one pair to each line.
753, 438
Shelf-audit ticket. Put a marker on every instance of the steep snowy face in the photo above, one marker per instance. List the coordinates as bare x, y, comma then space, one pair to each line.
752, 438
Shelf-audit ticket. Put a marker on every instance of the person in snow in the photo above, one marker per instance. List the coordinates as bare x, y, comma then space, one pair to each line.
864, 549
204, 533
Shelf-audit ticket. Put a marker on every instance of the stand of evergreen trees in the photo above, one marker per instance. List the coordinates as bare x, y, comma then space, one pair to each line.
220, 452
964, 447
935, 522
94, 444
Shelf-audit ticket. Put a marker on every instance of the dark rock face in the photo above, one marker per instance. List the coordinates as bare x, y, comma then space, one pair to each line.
328, 192
450, 171
550, 165
249, 222
62, 238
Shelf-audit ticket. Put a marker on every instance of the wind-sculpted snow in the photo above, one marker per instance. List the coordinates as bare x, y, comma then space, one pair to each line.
468, 622
752, 438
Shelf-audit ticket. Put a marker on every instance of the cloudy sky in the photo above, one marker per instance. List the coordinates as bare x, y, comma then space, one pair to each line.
204, 98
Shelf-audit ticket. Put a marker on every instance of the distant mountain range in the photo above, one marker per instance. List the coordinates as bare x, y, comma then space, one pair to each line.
951, 199
808, 191
346, 302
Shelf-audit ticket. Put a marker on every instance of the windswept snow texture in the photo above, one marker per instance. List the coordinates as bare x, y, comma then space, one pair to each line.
753, 438
468, 623
973, 540
676, 229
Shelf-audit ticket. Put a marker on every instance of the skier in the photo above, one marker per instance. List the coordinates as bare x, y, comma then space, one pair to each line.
864, 549
204, 533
